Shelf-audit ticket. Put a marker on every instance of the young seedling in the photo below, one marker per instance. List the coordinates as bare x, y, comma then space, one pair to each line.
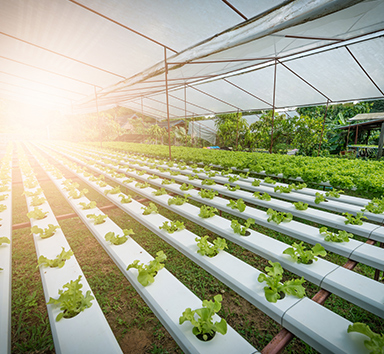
153, 177
141, 173
151, 208
376, 341
117, 239
306, 256
101, 183
114, 190
36, 201
299, 186
45, 233
179, 200
160, 191
211, 174
274, 289
192, 177
320, 198
278, 217
75, 194
354, 220
97, 219
239, 229
203, 326
334, 193
207, 211
207, 249
167, 181
37, 192
224, 173
129, 180
376, 206
232, 179
341, 236
72, 301
269, 180
262, 196
208, 182
142, 185
4, 240
90, 205
186, 187
125, 198
4, 188
256, 182
232, 189
174, 173
208, 193
237, 204
244, 175
301, 206
148, 271
283, 189
37, 214
172, 227
58, 262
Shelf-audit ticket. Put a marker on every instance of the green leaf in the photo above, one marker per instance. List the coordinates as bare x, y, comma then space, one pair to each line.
376, 342
4, 240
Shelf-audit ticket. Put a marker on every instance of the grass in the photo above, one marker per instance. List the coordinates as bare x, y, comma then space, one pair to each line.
133, 323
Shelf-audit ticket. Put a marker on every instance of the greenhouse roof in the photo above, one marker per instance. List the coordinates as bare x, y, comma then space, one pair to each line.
219, 56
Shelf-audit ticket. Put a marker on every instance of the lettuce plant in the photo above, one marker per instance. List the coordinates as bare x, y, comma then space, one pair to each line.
202, 320
36, 201
334, 193
142, 185
178, 200
232, 189
208, 182
239, 229
75, 194
97, 219
208, 249
376, 341
237, 204
278, 217
72, 301
160, 191
354, 220
153, 177
283, 189
262, 196
90, 205
45, 233
58, 262
114, 190
186, 187
207, 211
320, 198
167, 181
299, 186
244, 175
274, 287
4, 240
147, 272
208, 193
117, 239
341, 236
192, 177
232, 179
37, 214
375, 206
151, 208
129, 180
300, 254
172, 227
301, 206
256, 182
269, 180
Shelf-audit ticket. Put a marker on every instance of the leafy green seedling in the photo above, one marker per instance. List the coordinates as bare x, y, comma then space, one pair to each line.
232, 179
375, 206
151, 208
354, 220
75, 194
211, 174
167, 181
174, 173
207, 249
90, 205
186, 187
45, 233
278, 217
179, 200
36, 201
153, 177
30, 183
114, 190
237, 204
192, 177
101, 183
72, 301
141, 173
125, 198
301, 206
341, 236
207, 211
232, 189
208, 182
172, 227
306, 256
239, 229
4, 240
37, 192
256, 182
299, 186
244, 175
224, 173
334, 193
320, 198
37, 214
160, 191
129, 180
148, 272
274, 288
283, 189
207, 168
4, 188
203, 326
262, 196
269, 180
117, 239
376, 341
142, 185
3, 197
97, 219
58, 262
208, 193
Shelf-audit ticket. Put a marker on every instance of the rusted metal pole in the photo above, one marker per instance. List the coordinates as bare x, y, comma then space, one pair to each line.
167, 100
237, 129
349, 129
322, 129
357, 133
273, 105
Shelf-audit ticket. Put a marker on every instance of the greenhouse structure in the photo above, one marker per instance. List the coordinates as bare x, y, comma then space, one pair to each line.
115, 247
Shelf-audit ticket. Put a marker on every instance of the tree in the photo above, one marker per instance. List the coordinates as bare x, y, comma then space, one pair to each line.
227, 127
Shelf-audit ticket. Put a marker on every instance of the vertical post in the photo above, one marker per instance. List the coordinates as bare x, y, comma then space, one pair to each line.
98, 118
142, 109
381, 143
322, 129
349, 129
167, 100
357, 134
237, 130
273, 106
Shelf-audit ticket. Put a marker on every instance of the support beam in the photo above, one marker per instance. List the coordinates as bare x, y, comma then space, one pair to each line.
322, 129
381, 143
167, 101
273, 105
98, 117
